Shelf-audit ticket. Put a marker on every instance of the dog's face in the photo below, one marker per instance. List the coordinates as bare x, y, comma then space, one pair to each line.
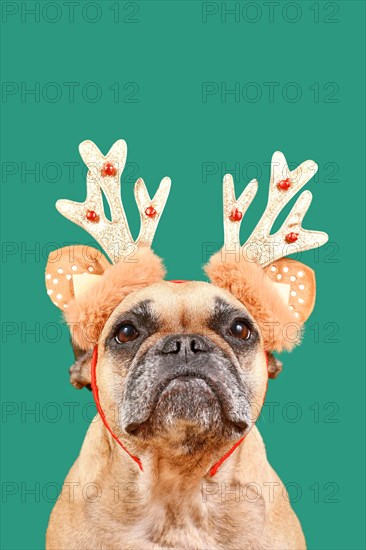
183, 364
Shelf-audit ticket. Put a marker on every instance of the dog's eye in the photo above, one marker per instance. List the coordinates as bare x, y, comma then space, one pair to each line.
126, 333
240, 329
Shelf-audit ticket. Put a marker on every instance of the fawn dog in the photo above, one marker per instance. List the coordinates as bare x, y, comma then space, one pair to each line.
179, 372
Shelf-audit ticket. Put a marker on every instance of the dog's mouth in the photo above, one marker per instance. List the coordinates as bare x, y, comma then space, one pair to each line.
182, 383
192, 398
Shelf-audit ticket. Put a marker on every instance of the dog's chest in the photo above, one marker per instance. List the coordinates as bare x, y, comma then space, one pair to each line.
194, 523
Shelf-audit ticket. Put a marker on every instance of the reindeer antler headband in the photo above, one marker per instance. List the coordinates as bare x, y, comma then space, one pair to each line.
104, 175
278, 291
262, 247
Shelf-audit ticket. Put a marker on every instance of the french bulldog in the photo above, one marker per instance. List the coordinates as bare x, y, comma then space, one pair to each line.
179, 371
183, 373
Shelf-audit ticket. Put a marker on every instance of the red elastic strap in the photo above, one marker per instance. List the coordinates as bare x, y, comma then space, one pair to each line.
99, 407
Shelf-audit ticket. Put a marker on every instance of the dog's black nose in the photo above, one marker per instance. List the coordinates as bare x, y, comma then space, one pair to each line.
185, 344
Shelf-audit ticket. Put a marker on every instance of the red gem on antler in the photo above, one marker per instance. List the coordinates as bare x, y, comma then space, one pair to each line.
284, 185
108, 170
92, 216
150, 211
236, 215
292, 237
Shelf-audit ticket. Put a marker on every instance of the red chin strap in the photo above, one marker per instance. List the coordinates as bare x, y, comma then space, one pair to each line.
95, 391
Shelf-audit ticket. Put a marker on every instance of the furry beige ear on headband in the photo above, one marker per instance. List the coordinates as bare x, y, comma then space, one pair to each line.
82, 283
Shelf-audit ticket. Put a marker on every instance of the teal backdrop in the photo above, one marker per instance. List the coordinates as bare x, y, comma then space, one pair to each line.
197, 89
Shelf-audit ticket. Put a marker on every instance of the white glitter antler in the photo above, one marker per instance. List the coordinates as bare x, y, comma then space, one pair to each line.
261, 246
104, 174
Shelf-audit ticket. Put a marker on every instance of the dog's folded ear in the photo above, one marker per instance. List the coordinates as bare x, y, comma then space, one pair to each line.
274, 366
280, 297
87, 288
80, 371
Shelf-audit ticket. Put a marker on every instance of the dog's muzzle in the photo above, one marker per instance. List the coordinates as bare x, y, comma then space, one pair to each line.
185, 377
213, 470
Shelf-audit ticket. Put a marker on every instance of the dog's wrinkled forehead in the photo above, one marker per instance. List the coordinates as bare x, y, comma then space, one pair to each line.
185, 307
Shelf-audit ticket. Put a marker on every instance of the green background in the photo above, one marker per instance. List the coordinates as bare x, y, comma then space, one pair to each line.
162, 55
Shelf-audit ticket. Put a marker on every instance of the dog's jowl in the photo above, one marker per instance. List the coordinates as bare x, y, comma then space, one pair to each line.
179, 371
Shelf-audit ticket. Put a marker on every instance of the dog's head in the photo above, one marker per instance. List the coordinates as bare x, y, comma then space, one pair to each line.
183, 364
